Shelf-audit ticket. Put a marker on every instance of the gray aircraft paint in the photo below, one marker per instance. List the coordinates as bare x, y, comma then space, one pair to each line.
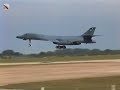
62, 40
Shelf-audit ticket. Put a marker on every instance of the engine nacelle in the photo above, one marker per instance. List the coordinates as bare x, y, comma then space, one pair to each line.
76, 43
67, 43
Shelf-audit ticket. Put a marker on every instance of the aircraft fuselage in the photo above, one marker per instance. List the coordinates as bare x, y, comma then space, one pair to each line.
61, 40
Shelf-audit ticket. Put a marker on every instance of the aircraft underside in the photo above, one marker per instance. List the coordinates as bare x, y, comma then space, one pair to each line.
59, 46
62, 45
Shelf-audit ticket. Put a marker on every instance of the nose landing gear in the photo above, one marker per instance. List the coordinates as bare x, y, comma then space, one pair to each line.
29, 42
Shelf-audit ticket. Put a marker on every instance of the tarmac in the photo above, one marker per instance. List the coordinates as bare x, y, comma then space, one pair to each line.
13, 73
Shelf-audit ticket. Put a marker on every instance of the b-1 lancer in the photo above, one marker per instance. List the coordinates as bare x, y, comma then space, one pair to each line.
61, 41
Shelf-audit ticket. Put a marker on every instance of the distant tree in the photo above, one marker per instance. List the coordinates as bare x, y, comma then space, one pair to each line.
64, 52
95, 52
17, 54
32, 55
42, 54
8, 52
108, 51
49, 53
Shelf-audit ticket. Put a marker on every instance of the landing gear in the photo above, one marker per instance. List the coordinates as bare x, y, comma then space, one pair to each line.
61, 47
29, 42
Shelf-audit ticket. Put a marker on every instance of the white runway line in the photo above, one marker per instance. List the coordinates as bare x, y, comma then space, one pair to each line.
64, 62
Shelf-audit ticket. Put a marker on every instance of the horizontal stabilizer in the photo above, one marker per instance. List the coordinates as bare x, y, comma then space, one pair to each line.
96, 35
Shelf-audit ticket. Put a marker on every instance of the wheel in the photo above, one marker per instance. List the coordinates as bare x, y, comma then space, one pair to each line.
64, 47
61, 47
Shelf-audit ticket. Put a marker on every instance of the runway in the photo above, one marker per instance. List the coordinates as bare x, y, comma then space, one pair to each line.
64, 62
13, 73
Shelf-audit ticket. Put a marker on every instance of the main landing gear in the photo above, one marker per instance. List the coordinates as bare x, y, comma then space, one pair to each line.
61, 47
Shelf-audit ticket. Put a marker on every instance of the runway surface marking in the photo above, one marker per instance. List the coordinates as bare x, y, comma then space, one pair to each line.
64, 62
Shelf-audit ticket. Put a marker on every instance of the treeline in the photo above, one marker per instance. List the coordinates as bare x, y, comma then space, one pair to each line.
68, 52
10, 54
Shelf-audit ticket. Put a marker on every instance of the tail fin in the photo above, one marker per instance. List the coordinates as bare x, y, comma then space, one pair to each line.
90, 32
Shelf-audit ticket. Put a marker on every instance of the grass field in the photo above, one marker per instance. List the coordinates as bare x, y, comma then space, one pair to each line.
60, 58
99, 83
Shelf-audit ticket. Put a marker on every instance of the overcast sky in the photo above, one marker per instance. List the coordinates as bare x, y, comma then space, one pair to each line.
59, 17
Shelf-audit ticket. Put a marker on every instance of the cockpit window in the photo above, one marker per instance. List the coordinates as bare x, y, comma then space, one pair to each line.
25, 34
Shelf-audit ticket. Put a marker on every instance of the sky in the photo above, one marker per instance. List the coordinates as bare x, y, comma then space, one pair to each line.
59, 17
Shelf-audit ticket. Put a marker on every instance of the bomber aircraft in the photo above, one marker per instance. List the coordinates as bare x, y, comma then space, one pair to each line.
61, 41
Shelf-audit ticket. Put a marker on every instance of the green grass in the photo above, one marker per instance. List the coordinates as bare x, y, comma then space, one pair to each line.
60, 58
98, 83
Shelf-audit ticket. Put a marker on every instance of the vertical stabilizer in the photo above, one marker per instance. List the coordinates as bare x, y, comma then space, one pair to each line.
90, 32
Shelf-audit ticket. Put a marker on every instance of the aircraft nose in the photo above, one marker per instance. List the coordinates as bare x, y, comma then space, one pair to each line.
18, 37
